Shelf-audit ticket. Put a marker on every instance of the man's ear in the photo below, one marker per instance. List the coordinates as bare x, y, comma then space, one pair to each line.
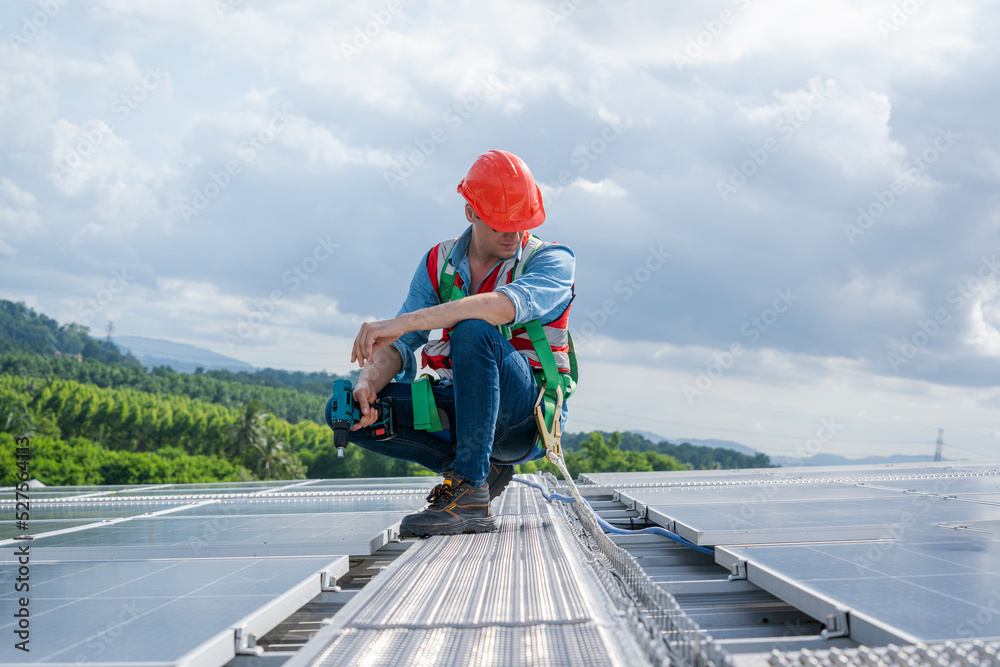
470, 213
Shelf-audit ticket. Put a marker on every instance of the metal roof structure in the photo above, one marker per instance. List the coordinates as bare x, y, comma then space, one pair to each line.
809, 566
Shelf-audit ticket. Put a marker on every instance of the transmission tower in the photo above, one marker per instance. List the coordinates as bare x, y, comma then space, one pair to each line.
940, 444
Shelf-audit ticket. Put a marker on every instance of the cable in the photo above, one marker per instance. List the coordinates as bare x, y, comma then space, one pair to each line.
654, 530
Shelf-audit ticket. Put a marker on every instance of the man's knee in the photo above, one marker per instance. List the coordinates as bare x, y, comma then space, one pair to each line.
473, 339
467, 330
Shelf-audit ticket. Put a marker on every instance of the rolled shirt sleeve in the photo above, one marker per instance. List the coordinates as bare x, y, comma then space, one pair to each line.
545, 288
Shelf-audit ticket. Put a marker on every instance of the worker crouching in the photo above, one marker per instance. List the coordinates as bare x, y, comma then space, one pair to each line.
502, 298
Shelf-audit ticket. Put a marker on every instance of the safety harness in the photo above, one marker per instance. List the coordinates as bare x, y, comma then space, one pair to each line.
555, 386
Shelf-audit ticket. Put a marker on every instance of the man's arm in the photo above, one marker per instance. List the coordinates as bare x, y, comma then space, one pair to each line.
386, 362
494, 307
373, 344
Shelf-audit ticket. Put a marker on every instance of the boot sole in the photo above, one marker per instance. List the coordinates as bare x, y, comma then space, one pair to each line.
478, 525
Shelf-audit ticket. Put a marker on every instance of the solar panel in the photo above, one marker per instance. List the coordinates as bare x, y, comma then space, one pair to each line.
9, 530
764, 492
405, 503
808, 521
892, 554
944, 485
206, 489
167, 612
380, 483
829, 473
94, 510
931, 584
230, 535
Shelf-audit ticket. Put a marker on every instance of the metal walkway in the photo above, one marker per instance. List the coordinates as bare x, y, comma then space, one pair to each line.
521, 596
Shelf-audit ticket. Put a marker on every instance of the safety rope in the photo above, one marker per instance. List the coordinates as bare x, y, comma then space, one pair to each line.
668, 636
576, 497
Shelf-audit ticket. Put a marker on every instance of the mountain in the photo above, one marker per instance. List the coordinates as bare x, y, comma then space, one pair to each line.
723, 444
787, 461
834, 460
181, 357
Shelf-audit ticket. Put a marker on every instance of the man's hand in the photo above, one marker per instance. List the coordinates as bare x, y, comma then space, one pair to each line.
375, 335
365, 395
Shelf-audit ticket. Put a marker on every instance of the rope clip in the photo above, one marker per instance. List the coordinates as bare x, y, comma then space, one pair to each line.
552, 439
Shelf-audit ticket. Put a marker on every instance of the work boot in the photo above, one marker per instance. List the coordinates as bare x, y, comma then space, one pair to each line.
455, 507
499, 478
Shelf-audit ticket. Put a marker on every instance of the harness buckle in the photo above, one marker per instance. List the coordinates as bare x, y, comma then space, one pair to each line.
551, 438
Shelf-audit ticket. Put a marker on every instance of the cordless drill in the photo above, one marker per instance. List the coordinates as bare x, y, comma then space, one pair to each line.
342, 412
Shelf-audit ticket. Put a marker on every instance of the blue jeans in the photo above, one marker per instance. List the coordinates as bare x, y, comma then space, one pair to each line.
489, 406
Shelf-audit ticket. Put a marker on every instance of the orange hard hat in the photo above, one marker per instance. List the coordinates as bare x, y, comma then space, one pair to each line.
501, 190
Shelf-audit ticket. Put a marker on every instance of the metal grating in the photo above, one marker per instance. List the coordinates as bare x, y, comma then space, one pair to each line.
516, 597
535, 645
939, 655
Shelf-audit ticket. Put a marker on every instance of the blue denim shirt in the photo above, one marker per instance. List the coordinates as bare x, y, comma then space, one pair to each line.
542, 292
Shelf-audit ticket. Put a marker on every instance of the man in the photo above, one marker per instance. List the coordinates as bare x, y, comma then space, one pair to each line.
493, 282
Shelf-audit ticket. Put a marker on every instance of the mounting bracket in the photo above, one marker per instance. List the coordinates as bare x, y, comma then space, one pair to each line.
328, 583
837, 624
246, 642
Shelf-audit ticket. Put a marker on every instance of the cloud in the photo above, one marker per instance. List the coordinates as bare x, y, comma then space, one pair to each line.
19, 216
796, 148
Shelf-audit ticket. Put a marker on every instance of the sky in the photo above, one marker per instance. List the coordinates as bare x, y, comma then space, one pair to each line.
785, 215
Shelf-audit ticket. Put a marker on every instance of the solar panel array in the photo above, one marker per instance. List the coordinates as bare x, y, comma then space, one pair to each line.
192, 574
183, 574
886, 553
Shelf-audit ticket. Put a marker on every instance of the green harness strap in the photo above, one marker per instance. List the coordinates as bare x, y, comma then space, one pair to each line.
446, 283
425, 414
551, 370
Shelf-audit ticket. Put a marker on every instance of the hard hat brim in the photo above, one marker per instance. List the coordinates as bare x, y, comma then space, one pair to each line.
497, 224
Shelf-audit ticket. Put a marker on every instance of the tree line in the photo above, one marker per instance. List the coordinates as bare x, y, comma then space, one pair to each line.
169, 434
696, 457
288, 404
85, 434
593, 453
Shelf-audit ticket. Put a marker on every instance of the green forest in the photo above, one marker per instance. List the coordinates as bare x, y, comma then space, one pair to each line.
96, 416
